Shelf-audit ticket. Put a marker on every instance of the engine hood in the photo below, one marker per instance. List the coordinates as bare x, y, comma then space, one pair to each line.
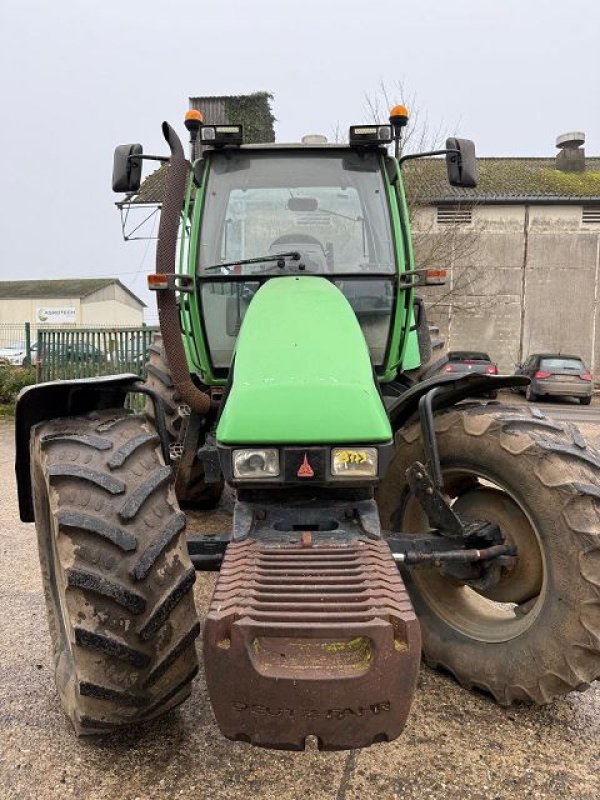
302, 372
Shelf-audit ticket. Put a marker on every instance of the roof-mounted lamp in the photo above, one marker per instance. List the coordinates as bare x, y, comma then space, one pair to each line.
193, 121
398, 120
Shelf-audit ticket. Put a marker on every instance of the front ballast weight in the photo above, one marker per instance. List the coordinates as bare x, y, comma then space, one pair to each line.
311, 639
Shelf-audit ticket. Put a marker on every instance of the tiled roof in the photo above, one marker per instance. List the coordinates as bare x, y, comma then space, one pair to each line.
69, 287
500, 179
504, 179
152, 189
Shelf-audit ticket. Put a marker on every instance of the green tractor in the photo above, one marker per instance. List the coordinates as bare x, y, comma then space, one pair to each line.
381, 510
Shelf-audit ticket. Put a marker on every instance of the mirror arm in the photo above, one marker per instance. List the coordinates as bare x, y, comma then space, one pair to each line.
412, 156
148, 158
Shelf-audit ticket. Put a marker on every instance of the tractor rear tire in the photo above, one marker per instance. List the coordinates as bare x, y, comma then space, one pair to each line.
536, 634
158, 378
117, 575
191, 488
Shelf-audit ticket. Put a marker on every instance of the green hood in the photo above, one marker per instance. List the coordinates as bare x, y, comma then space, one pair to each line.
302, 372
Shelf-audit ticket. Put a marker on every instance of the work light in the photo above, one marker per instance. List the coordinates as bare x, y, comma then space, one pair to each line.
220, 135
370, 135
256, 464
354, 462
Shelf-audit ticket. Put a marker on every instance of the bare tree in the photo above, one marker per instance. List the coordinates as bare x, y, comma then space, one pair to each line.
454, 245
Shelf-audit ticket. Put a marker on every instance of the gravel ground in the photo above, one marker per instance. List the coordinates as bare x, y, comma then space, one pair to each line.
457, 745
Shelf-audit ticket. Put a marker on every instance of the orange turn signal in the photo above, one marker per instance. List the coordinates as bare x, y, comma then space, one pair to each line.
157, 282
434, 276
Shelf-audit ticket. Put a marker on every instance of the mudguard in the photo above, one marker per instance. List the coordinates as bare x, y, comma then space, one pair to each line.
45, 401
453, 389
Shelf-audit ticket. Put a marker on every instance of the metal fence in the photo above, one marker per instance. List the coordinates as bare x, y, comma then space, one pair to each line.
14, 341
60, 353
75, 352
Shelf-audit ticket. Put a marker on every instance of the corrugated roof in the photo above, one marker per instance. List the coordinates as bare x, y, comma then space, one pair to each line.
68, 287
504, 179
212, 108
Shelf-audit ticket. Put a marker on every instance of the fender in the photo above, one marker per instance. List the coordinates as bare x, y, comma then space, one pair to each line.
453, 389
45, 401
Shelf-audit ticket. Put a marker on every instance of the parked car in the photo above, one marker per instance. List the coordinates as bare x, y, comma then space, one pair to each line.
70, 352
13, 354
555, 374
470, 361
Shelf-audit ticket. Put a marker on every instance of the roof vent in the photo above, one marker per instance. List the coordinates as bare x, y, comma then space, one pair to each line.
571, 157
590, 215
314, 138
454, 215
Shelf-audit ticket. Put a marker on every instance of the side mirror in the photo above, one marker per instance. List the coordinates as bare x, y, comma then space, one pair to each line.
462, 165
127, 169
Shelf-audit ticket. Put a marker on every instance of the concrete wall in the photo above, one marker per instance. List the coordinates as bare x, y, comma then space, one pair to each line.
522, 280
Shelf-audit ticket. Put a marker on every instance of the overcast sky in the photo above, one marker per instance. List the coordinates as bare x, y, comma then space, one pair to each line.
78, 77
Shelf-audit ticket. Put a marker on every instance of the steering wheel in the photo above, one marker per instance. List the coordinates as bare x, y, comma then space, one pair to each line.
311, 249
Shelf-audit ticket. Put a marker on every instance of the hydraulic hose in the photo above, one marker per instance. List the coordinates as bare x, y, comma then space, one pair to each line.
168, 312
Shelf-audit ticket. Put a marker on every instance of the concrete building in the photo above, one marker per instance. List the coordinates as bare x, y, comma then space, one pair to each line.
523, 253
92, 302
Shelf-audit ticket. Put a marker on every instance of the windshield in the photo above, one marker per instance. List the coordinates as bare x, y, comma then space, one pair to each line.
331, 207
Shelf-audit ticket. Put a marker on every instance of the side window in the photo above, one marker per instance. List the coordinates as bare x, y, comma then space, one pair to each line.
530, 363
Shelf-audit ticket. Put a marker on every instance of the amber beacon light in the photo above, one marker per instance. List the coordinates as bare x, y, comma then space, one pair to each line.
399, 116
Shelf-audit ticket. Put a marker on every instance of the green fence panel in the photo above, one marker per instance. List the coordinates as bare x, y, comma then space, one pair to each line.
62, 354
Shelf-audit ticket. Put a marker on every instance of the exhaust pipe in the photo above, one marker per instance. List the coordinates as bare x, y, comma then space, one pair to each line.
168, 312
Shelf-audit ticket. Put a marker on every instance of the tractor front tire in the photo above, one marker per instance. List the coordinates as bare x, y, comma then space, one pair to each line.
117, 576
535, 635
190, 486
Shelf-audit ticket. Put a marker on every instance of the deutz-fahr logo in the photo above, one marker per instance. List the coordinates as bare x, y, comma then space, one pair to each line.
312, 713
305, 470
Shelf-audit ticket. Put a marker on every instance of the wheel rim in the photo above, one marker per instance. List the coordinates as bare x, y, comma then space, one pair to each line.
508, 609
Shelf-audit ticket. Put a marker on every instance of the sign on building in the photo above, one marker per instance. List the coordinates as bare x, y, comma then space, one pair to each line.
56, 316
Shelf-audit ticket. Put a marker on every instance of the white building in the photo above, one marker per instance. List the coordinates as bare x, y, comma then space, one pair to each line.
91, 302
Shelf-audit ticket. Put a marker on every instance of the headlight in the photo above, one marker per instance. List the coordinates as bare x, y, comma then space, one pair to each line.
256, 464
354, 462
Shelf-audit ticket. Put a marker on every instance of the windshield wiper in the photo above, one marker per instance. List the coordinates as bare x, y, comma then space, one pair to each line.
280, 258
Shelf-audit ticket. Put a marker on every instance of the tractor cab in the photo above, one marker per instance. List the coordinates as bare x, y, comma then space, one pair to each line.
268, 211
